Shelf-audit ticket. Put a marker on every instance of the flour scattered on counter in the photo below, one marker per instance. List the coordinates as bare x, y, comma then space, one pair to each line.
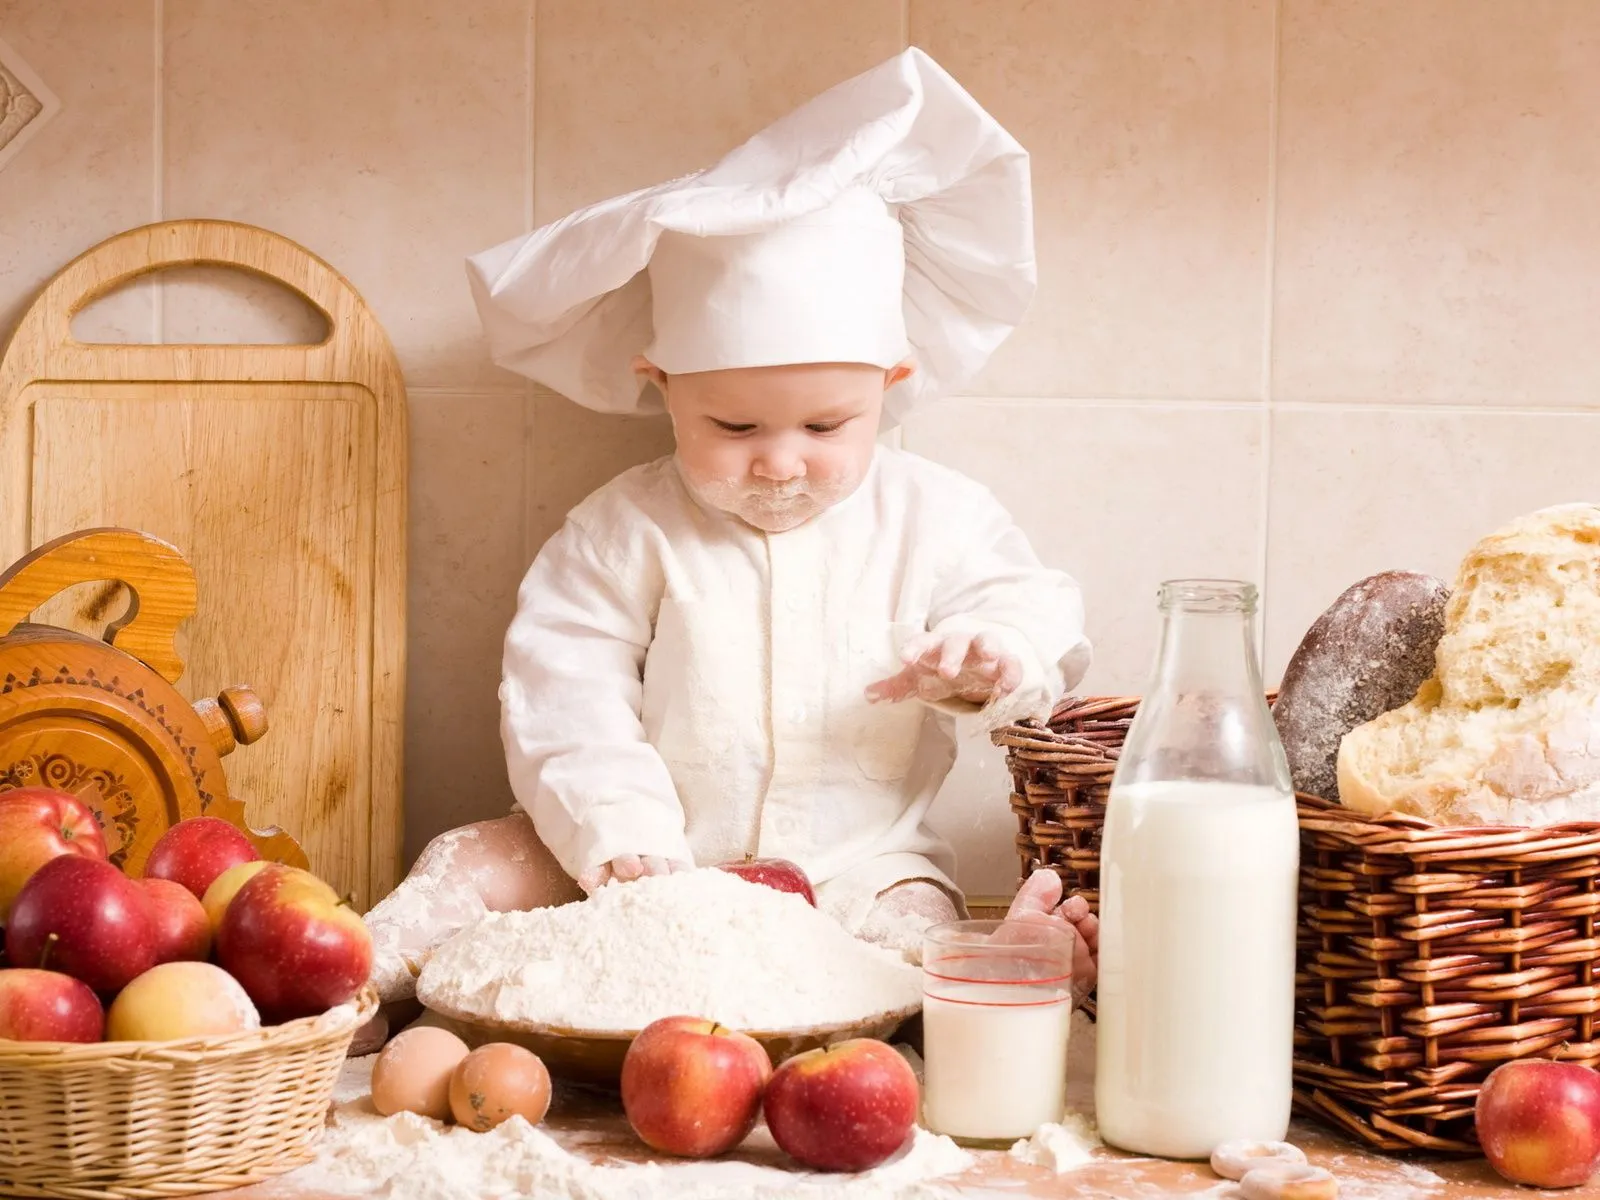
703, 942
355, 1080
1387, 1179
407, 1157
1059, 1148
1418, 1176
1070, 1144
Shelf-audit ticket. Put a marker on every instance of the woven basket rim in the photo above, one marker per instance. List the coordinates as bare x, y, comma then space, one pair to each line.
1410, 830
289, 1035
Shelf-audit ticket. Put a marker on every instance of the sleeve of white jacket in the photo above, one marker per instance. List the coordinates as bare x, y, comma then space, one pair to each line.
1000, 588
569, 700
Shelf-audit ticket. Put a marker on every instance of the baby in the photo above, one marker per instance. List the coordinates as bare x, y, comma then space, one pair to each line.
763, 644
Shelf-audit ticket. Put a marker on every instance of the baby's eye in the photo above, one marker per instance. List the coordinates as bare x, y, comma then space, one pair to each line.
825, 426
729, 427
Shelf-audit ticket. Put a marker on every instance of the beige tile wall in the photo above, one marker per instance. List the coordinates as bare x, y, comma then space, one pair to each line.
1318, 277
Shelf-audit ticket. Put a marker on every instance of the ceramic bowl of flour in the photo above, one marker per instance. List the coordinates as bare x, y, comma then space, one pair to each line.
594, 1057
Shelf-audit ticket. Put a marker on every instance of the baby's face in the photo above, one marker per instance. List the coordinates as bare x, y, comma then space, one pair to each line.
775, 446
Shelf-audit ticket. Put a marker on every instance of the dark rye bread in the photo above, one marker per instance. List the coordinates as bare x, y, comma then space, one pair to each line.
1367, 654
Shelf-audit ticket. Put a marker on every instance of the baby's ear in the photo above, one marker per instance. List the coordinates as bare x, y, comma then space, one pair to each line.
643, 366
898, 373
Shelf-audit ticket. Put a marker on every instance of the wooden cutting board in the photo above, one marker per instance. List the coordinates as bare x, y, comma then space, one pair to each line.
279, 472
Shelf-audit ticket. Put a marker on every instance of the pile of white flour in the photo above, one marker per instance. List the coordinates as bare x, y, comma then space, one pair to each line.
702, 943
407, 1157
1070, 1144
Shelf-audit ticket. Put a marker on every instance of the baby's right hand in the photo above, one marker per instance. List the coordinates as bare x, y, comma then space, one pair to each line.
627, 867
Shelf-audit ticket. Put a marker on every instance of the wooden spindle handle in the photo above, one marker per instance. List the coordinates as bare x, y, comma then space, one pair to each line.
235, 718
159, 579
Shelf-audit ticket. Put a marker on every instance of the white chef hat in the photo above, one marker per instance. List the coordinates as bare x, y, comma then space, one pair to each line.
889, 216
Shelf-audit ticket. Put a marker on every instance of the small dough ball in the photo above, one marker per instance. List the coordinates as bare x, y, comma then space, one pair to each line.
1289, 1181
413, 1072
496, 1082
1232, 1159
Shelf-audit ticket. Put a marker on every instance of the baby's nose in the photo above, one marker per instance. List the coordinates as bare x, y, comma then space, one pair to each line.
778, 466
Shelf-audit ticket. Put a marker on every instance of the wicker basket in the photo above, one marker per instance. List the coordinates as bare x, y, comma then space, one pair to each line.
1428, 954
124, 1120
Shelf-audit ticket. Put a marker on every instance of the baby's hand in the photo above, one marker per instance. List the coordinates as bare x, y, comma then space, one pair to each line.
627, 867
1039, 899
962, 666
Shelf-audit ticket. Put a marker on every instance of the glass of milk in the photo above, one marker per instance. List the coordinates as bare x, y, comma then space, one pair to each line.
1199, 870
996, 1011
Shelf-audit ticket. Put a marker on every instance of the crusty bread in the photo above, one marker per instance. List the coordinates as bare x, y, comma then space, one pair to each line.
1367, 654
1507, 729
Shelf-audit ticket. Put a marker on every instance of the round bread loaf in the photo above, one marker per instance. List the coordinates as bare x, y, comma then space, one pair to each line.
1366, 655
1507, 729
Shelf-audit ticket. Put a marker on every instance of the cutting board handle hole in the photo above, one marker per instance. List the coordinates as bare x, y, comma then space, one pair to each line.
201, 306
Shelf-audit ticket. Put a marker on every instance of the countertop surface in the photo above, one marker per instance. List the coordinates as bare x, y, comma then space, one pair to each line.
591, 1125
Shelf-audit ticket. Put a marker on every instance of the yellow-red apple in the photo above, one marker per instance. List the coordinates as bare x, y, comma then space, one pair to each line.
846, 1107
180, 1000
224, 888
297, 948
691, 1087
1539, 1122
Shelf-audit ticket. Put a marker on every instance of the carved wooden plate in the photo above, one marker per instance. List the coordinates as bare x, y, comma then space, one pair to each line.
102, 719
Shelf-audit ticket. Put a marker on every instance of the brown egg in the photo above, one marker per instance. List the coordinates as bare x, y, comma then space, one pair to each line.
497, 1082
412, 1073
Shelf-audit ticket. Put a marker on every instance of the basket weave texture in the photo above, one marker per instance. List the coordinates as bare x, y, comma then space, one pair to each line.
132, 1120
1428, 955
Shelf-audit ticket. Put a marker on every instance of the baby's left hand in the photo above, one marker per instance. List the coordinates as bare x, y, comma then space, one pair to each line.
960, 666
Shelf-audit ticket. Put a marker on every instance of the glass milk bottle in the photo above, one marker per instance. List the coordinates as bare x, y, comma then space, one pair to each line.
1199, 869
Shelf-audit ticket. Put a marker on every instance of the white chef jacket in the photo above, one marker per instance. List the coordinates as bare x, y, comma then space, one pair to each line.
678, 683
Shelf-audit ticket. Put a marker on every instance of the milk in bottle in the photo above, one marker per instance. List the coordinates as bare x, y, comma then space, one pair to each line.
1198, 882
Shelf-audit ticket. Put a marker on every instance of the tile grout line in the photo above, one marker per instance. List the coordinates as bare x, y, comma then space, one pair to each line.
1269, 296
158, 144
528, 399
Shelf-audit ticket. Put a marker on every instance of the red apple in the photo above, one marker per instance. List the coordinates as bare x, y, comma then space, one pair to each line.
36, 825
194, 852
692, 1087
47, 1006
296, 947
183, 931
1539, 1122
846, 1107
777, 873
85, 918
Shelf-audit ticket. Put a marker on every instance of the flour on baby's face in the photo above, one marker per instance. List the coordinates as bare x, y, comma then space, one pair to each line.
772, 508
776, 446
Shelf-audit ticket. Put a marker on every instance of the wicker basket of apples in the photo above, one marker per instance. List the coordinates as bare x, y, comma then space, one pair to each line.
177, 1033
